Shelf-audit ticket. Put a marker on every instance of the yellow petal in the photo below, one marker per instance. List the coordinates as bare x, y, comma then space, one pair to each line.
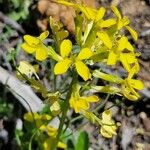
45, 117
122, 43
105, 133
84, 11
105, 39
91, 12
78, 104
125, 21
100, 14
129, 46
83, 70
132, 32
112, 58
62, 66
128, 60
43, 35
82, 104
106, 115
124, 59
26, 47
107, 23
126, 92
137, 84
27, 69
41, 53
108, 130
92, 98
31, 40
65, 48
116, 11
29, 116
62, 145
85, 53
120, 24
65, 3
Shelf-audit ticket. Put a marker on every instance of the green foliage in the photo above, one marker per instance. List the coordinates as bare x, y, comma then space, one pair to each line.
18, 10
5, 108
82, 141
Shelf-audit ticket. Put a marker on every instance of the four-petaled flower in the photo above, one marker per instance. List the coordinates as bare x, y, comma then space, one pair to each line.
123, 51
78, 102
35, 44
124, 22
129, 85
67, 60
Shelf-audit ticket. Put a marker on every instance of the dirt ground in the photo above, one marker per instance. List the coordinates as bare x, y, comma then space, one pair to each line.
134, 134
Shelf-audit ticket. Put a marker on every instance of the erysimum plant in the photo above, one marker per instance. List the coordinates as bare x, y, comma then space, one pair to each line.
98, 42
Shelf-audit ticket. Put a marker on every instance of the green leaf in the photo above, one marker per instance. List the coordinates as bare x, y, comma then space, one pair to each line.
82, 142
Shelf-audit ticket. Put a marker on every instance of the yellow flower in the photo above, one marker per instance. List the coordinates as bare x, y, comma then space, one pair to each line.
67, 60
129, 61
124, 22
108, 127
48, 143
39, 119
52, 133
116, 53
129, 86
79, 103
35, 44
27, 69
91, 13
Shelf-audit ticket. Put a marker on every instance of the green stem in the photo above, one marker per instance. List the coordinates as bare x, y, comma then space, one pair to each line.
102, 105
65, 110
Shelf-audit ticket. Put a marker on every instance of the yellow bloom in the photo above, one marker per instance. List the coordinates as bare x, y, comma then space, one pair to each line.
129, 61
129, 86
116, 53
124, 22
79, 103
105, 39
67, 60
55, 108
52, 133
35, 44
39, 119
92, 14
27, 69
108, 127
48, 143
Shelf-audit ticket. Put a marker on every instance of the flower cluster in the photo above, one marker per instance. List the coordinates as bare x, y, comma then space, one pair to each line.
41, 122
98, 40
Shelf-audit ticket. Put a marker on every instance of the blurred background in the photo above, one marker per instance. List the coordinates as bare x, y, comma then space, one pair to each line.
19, 17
